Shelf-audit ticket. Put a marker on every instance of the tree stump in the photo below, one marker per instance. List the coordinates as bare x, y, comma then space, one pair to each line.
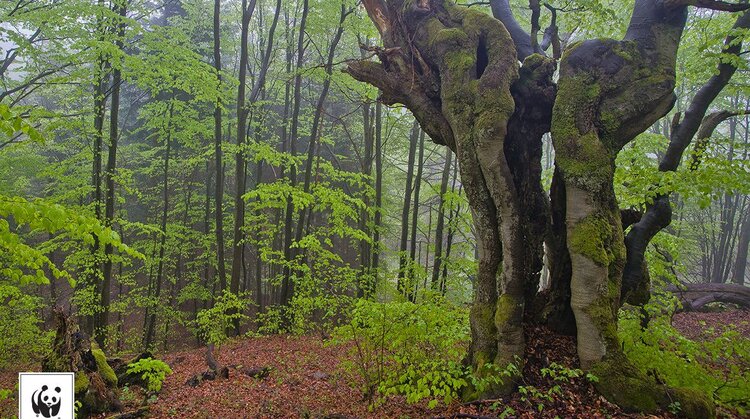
73, 351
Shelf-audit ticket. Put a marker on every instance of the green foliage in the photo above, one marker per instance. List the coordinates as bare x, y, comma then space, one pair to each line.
212, 323
21, 338
12, 124
718, 365
271, 321
23, 264
408, 349
153, 372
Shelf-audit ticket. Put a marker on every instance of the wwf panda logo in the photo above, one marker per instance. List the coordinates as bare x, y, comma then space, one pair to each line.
46, 402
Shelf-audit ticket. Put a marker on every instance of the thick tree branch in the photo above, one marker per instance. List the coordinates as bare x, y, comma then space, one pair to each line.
710, 4
395, 88
502, 12
552, 34
659, 214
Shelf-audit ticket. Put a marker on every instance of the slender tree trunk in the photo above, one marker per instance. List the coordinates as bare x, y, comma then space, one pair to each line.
163, 236
365, 248
740, 264
451, 233
414, 221
302, 223
240, 161
403, 264
287, 285
438, 261
100, 102
218, 159
109, 176
378, 192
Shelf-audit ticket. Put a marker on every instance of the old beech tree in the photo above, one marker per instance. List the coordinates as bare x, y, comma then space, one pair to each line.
484, 87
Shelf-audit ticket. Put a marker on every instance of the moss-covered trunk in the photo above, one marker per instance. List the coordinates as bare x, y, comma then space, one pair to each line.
609, 92
455, 67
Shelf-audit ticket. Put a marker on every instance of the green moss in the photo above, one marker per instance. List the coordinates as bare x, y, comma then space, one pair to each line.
81, 382
459, 61
507, 307
107, 373
591, 238
627, 50
482, 315
693, 403
450, 37
582, 157
621, 383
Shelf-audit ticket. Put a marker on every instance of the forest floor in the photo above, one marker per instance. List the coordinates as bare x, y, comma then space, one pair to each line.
308, 380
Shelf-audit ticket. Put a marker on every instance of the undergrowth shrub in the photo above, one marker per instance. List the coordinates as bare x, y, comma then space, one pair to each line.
212, 323
21, 338
407, 349
152, 371
718, 365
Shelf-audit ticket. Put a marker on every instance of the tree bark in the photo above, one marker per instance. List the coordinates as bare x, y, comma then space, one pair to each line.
403, 263
218, 158
438, 260
109, 177
163, 236
413, 260
287, 285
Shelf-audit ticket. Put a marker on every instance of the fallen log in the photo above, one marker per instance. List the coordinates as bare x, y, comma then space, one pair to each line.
695, 297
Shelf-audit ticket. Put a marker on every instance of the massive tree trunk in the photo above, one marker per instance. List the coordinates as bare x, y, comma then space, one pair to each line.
456, 69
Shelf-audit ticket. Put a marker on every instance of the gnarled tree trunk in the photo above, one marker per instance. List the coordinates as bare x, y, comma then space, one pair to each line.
456, 69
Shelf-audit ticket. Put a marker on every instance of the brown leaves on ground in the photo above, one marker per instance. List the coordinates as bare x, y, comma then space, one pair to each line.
306, 381
697, 325
302, 378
